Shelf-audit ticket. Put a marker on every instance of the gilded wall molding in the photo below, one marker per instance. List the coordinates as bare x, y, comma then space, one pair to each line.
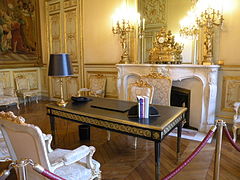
5, 78
230, 93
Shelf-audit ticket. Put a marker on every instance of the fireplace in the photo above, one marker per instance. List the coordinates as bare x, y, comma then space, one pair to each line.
182, 97
200, 79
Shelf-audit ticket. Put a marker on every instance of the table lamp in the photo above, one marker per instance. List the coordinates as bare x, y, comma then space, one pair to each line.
60, 66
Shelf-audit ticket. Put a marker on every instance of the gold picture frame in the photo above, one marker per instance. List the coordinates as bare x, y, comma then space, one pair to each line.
20, 42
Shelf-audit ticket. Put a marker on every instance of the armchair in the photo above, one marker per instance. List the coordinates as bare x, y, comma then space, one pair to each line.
140, 88
236, 120
27, 141
97, 86
162, 87
24, 90
8, 96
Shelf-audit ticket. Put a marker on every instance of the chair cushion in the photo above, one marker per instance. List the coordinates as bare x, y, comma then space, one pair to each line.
5, 100
28, 92
4, 154
80, 170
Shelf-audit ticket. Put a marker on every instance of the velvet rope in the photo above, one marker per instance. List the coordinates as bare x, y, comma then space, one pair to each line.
51, 176
39, 169
194, 153
230, 138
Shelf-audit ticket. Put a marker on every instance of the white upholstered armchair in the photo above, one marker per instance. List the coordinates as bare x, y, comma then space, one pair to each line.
27, 141
236, 120
8, 96
24, 90
96, 86
140, 88
162, 87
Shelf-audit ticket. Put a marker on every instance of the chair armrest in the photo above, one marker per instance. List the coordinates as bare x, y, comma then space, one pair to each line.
48, 140
84, 90
76, 155
98, 93
9, 91
79, 153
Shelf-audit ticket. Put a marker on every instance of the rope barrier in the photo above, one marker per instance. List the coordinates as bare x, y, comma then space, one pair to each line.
194, 153
39, 169
36, 167
225, 130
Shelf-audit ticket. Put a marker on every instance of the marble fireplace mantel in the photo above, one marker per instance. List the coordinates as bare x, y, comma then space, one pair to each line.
207, 74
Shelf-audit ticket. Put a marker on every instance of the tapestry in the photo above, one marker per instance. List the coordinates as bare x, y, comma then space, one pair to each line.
19, 33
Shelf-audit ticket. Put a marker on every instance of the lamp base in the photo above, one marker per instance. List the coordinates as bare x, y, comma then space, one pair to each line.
62, 103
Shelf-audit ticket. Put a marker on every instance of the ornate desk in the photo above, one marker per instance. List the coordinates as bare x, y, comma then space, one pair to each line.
154, 128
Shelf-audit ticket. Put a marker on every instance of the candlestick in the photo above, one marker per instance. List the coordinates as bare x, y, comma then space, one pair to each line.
143, 23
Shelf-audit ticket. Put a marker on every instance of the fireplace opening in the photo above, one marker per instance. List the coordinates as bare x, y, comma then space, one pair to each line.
181, 97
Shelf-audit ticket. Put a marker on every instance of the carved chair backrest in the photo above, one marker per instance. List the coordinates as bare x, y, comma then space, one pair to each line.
140, 88
22, 83
24, 141
96, 83
162, 87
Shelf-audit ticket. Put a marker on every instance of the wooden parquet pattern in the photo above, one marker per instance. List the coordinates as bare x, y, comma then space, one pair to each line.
119, 161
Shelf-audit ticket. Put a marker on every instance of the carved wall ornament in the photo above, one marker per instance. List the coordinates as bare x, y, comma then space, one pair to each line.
155, 12
155, 75
165, 49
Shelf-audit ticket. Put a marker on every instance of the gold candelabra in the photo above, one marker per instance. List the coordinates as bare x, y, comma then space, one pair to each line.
209, 19
123, 28
189, 31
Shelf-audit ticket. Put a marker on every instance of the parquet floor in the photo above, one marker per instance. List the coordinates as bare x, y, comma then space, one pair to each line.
119, 161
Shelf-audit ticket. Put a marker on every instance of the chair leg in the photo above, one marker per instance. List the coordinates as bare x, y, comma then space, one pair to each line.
36, 99
108, 135
24, 100
99, 177
135, 143
18, 105
234, 129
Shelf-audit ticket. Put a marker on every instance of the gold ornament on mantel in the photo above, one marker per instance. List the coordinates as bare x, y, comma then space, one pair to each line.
165, 50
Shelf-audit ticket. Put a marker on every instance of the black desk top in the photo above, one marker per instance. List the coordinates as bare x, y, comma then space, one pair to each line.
167, 113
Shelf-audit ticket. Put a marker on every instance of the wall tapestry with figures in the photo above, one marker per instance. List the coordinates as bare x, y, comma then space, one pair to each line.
19, 33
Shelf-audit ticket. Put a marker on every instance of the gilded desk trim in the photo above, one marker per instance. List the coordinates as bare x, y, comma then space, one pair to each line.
129, 128
62, 109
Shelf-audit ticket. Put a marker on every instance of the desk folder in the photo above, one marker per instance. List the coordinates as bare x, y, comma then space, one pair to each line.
113, 105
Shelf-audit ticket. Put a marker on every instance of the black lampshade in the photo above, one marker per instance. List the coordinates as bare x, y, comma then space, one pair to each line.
60, 65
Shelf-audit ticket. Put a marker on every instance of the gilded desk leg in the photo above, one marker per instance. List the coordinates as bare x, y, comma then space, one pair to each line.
179, 133
52, 124
157, 160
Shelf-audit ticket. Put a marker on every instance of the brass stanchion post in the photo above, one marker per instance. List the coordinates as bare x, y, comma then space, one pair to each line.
218, 148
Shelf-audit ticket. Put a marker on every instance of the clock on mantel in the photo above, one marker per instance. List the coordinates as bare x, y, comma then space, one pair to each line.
165, 50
